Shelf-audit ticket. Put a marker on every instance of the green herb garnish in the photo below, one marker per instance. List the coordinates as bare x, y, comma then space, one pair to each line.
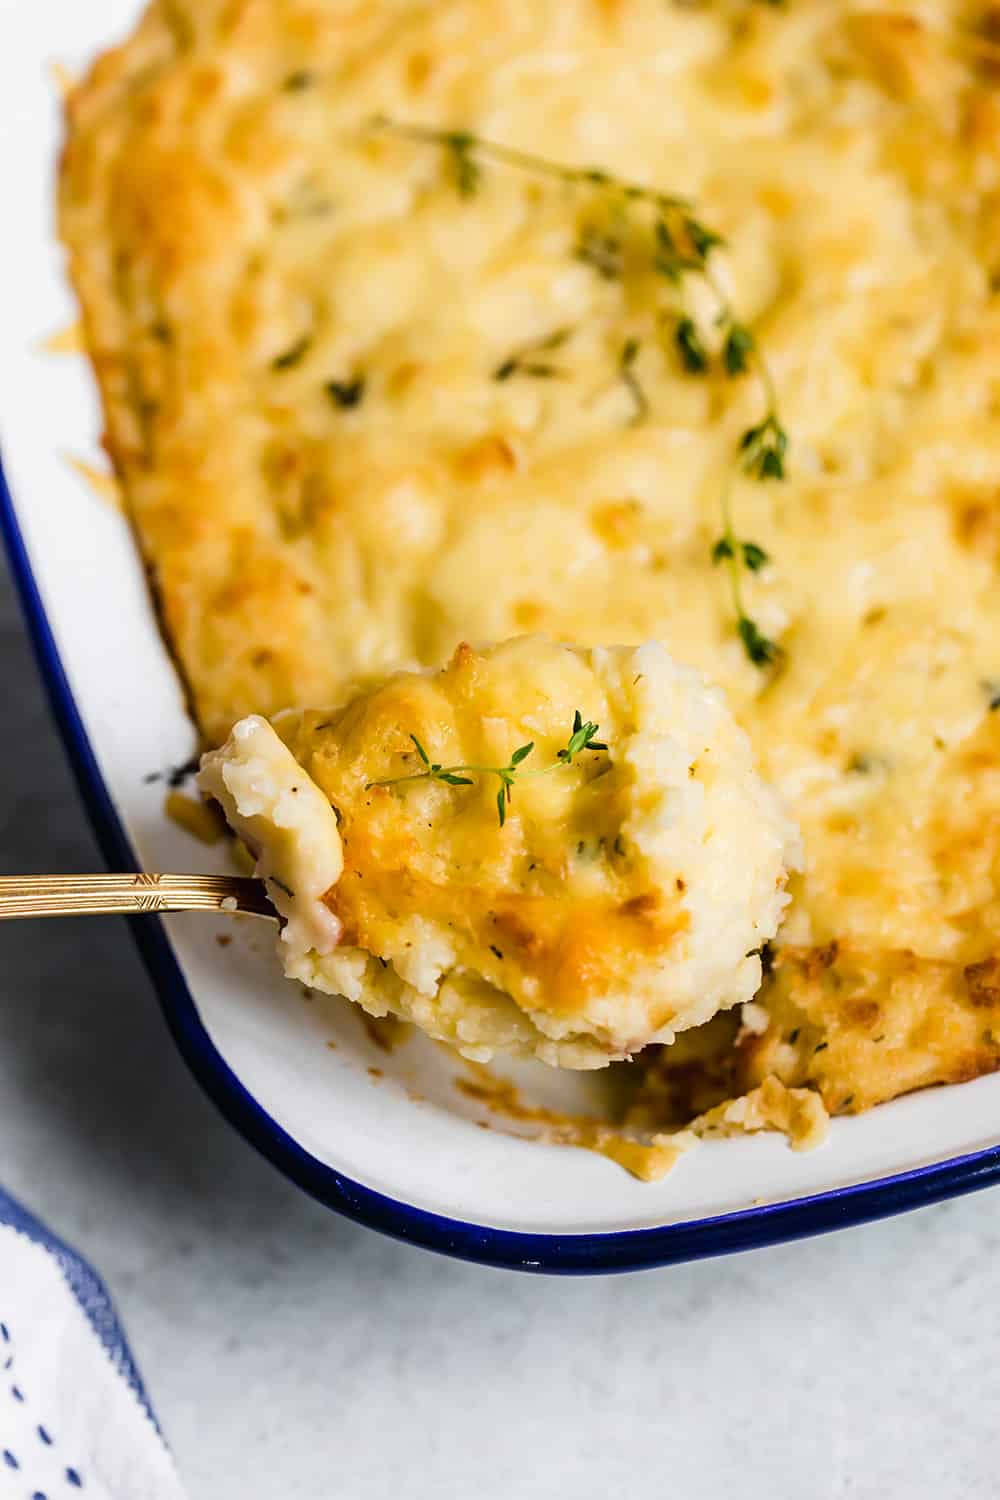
736, 553
761, 650
672, 243
764, 447
604, 253
463, 162
762, 451
580, 739
293, 355
737, 349
346, 393
689, 343
525, 361
463, 143
626, 369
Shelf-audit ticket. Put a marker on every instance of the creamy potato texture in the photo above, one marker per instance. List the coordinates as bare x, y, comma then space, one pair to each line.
624, 894
298, 322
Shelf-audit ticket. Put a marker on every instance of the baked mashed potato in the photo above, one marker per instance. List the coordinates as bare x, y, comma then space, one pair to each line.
371, 395
611, 893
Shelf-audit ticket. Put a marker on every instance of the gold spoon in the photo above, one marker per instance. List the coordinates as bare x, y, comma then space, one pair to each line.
130, 895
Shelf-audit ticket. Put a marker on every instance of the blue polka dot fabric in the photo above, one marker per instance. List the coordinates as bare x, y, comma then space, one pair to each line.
75, 1419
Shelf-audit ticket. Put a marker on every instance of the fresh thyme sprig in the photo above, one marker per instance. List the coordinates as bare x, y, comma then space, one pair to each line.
580, 739
682, 246
762, 453
463, 145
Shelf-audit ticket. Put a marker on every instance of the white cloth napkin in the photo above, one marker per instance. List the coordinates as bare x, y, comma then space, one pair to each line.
75, 1423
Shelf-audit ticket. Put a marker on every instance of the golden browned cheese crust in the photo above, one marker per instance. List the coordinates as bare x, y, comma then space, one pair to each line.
862, 1027
859, 1027
512, 898
297, 323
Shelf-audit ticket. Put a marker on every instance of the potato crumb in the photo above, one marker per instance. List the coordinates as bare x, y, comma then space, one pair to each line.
800, 1114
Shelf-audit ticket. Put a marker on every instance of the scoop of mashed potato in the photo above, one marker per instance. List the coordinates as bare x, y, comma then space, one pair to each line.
610, 890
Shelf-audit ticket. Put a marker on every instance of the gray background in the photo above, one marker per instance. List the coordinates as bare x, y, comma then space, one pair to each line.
291, 1354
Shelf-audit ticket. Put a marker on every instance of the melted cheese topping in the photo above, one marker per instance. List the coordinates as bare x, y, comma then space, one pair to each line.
240, 240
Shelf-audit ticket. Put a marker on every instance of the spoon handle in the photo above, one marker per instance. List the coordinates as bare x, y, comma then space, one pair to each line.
94, 895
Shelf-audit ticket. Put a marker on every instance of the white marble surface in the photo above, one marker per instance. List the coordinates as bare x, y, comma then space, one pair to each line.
292, 1354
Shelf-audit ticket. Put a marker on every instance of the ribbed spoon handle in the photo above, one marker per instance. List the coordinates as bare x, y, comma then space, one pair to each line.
93, 895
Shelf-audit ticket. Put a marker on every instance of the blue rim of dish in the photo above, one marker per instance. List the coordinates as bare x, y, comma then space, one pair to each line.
572, 1254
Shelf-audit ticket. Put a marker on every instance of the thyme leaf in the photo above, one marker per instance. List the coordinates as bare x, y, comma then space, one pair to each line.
761, 650
703, 239
764, 448
346, 393
603, 252
626, 369
692, 349
464, 166
293, 355
669, 259
737, 349
524, 362
754, 556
